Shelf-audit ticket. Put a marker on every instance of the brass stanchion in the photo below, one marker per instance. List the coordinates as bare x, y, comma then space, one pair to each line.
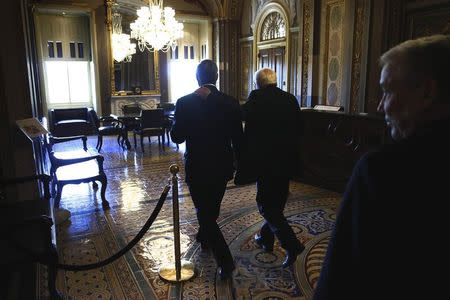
183, 269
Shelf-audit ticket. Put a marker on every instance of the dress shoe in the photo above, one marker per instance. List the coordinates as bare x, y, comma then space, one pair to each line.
291, 256
260, 243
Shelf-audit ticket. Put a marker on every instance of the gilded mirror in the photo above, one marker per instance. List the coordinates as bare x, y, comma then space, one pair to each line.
141, 74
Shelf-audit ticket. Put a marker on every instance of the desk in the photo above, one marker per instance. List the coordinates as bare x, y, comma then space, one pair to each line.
132, 121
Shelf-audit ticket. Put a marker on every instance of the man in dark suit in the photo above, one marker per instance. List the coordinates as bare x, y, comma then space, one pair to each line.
272, 158
386, 240
210, 123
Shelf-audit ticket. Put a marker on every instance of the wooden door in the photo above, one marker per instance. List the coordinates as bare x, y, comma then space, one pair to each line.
273, 58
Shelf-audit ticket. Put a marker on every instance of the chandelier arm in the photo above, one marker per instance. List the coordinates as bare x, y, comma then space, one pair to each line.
156, 27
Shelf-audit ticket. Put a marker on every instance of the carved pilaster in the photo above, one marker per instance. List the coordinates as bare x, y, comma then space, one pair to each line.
294, 64
395, 10
108, 22
359, 29
227, 34
307, 41
246, 69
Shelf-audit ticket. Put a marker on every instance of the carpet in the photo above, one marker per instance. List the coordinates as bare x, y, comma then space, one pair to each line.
133, 189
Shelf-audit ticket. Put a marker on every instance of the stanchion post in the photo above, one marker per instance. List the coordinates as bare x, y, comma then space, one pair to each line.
176, 220
184, 270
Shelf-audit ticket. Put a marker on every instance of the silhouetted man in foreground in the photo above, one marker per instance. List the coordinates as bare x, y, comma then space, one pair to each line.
210, 123
386, 243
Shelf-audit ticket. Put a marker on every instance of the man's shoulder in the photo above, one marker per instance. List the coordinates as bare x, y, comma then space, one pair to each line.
187, 98
228, 99
285, 94
383, 157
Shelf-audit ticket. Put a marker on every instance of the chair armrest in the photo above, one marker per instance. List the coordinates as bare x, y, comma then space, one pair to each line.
107, 119
69, 161
112, 119
19, 180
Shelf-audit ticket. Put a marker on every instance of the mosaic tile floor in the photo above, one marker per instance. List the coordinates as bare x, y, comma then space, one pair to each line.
135, 182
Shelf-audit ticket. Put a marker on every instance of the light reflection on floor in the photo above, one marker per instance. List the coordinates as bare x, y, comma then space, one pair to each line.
135, 183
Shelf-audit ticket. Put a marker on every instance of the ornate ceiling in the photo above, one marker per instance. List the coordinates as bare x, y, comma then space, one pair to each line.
222, 9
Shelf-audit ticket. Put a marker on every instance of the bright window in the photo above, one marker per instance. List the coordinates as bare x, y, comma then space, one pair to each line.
183, 73
67, 82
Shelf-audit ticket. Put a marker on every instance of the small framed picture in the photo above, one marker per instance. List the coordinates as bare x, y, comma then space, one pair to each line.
137, 90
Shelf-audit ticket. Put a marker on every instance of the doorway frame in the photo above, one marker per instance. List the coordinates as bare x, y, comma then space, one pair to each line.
280, 42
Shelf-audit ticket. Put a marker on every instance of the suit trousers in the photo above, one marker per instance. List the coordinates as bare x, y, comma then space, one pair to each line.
207, 199
271, 197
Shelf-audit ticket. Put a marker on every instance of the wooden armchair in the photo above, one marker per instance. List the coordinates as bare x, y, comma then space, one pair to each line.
75, 167
152, 123
107, 126
169, 110
71, 122
26, 236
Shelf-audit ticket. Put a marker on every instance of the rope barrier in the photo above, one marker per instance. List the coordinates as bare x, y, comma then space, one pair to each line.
130, 245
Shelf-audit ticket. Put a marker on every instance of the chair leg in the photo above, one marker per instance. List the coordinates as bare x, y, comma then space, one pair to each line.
100, 143
163, 140
84, 138
104, 182
59, 188
142, 143
118, 139
135, 144
149, 140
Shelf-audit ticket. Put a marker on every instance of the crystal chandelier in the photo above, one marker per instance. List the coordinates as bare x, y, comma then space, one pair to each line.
156, 28
122, 48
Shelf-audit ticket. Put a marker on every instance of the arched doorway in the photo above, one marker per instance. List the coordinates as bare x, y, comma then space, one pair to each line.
271, 39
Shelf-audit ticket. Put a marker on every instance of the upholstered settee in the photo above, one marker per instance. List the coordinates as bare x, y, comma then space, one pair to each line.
70, 122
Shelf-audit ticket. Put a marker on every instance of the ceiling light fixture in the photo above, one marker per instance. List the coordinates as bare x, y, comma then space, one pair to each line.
122, 48
156, 28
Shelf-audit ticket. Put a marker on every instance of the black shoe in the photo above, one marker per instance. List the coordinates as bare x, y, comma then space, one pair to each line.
260, 243
225, 273
291, 256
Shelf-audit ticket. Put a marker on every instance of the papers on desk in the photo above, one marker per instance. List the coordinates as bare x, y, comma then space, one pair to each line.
328, 108
31, 127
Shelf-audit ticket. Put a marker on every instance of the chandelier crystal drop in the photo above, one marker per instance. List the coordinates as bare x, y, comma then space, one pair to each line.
122, 48
156, 28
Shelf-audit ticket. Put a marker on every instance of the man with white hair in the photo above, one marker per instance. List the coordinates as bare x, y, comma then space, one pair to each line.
271, 158
386, 240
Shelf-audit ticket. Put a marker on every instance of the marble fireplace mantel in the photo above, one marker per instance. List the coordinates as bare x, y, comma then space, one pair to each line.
145, 101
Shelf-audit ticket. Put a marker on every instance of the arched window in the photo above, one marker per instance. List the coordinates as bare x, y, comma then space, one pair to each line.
273, 27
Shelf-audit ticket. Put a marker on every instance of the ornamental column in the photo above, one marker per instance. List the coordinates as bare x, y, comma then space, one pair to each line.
225, 54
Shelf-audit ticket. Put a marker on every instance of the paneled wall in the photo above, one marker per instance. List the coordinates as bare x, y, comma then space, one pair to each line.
334, 45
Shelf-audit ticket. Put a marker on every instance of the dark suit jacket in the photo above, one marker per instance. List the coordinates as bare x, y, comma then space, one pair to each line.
271, 135
386, 240
212, 129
